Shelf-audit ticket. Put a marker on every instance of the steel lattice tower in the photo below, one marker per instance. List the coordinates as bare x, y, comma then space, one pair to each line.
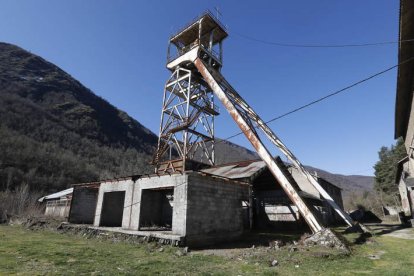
186, 134
187, 120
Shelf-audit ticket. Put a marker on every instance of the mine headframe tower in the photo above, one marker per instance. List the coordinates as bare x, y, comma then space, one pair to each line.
188, 112
186, 134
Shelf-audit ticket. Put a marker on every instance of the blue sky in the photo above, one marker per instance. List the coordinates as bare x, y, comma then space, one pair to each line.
118, 50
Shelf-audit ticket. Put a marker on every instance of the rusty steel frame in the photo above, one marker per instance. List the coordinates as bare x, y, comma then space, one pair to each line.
230, 91
187, 120
235, 105
248, 121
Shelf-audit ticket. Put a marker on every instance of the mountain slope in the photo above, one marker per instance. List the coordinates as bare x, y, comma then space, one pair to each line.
348, 183
228, 152
55, 131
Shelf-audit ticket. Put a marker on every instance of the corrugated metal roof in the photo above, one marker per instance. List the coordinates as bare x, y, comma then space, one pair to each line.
244, 169
249, 169
57, 195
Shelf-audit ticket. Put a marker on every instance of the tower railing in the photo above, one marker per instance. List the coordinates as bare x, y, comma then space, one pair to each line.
195, 19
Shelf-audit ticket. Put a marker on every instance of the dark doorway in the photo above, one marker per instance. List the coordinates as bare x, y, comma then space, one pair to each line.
112, 209
156, 209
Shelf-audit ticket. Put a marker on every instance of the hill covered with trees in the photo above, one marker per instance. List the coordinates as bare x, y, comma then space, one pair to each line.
55, 131
386, 173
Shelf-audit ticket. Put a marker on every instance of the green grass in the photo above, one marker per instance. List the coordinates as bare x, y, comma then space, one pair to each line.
42, 252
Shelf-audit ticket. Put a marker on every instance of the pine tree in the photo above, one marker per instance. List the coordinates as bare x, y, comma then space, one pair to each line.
386, 170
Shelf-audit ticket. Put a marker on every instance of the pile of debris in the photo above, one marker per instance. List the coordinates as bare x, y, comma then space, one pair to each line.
326, 237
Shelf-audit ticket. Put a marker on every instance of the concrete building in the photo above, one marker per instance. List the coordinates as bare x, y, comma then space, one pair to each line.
404, 111
203, 207
271, 205
57, 204
183, 208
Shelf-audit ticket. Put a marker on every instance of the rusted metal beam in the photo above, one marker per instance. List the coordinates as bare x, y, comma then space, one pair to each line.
195, 51
248, 112
277, 142
264, 154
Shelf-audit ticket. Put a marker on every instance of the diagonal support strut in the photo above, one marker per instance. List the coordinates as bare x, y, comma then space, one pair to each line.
265, 155
243, 115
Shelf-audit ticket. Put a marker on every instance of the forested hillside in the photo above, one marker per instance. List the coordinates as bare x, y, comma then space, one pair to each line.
55, 131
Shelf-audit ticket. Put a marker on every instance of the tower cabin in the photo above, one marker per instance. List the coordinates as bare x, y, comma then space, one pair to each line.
202, 38
186, 138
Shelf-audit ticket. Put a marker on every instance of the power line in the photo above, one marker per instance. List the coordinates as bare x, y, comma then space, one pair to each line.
303, 45
326, 97
293, 45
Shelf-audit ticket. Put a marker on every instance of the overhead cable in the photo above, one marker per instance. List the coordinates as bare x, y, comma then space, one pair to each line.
293, 45
327, 96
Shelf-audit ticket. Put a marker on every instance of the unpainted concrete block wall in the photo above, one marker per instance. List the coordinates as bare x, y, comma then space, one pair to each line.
83, 205
214, 209
205, 209
133, 199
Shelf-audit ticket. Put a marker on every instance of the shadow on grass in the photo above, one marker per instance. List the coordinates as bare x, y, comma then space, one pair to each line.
381, 229
257, 238
363, 237
377, 229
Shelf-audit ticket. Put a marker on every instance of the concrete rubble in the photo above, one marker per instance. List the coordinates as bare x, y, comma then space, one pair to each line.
326, 237
276, 244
